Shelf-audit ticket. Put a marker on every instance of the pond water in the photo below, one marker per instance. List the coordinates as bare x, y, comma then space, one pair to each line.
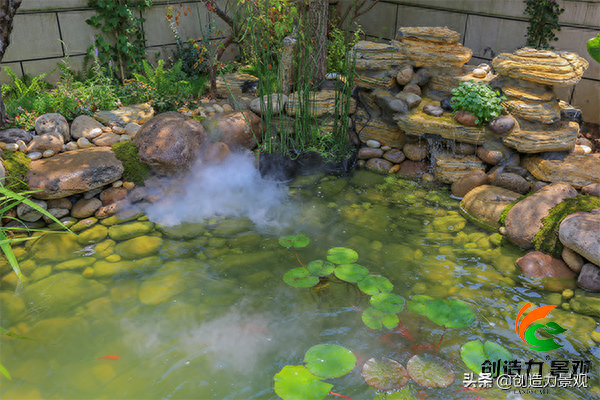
201, 311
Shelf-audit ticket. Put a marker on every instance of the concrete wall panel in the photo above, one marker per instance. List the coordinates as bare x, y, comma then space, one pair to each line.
77, 35
380, 21
34, 36
488, 36
586, 97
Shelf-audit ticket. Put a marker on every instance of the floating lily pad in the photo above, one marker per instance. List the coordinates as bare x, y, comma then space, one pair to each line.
342, 255
474, 354
295, 241
295, 382
593, 47
388, 302
376, 319
374, 284
385, 374
351, 272
329, 360
320, 267
300, 277
430, 371
450, 313
419, 303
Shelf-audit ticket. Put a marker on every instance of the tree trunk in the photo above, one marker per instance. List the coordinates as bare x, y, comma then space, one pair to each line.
317, 20
8, 8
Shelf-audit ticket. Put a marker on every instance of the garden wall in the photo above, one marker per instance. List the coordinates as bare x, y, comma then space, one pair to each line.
46, 31
490, 27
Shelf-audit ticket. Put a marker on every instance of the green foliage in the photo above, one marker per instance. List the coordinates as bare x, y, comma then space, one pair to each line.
116, 19
449, 313
546, 239
27, 86
338, 47
504, 213
295, 241
16, 165
135, 170
543, 21
474, 354
479, 99
21, 118
593, 47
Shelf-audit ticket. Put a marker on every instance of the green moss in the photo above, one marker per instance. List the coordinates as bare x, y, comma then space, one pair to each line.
16, 165
546, 240
135, 170
504, 212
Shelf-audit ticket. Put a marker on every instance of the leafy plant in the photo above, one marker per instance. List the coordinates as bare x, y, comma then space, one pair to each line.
479, 99
25, 87
593, 47
116, 18
338, 47
134, 170
21, 118
543, 21
546, 239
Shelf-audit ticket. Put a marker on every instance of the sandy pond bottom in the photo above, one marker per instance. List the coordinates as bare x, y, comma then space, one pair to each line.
201, 311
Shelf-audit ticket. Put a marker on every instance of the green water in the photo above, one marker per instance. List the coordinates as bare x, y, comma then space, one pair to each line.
202, 312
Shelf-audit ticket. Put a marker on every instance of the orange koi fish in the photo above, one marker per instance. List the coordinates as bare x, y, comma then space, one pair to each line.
111, 357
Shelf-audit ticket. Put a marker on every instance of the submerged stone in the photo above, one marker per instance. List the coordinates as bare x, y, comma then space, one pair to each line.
12, 309
76, 264
95, 234
55, 247
168, 281
232, 226
485, 203
104, 269
139, 247
130, 230
185, 230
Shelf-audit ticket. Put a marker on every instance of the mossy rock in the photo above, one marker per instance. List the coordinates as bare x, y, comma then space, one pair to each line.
95, 234
105, 248
79, 263
130, 230
185, 230
105, 269
55, 247
139, 247
16, 165
135, 170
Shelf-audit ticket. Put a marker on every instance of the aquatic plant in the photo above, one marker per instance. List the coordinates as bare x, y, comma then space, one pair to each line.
134, 169
546, 239
475, 353
593, 47
479, 99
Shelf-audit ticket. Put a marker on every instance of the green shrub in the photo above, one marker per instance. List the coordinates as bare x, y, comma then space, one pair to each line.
479, 99
546, 240
135, 170
16, 165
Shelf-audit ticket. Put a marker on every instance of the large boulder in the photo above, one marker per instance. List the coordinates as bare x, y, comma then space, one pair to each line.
485, 203
238, 130
47, 141
73, 172
550, 273
53, 123
580, 232
524, 220
13, 135
170, 143
83, 125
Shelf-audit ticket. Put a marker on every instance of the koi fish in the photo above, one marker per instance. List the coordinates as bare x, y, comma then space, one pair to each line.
419, 348
111, 357
400, 330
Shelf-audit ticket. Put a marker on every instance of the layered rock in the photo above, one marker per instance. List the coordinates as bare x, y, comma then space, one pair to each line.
449, 167
236, 84
320, 104
73, 172
377, 64
529, 138
577, 170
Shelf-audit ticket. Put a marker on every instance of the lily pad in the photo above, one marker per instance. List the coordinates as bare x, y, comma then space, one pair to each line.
376, 319
419, 303
295, 241
375, 284
329, 360
385, 374
388, 302
474, 354
438, 311
342, 255
450, 313
593, 47
300, 277
351, 272
295, 382
430, 371
320, 267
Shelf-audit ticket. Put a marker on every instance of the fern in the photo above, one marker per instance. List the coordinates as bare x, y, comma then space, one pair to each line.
20, 88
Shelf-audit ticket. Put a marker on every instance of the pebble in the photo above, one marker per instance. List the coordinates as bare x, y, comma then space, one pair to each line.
433, 110
586, 149
125, 138
502, 124
2, 144
227, 108
11, 147
47, 153
427, 177
36, 155
83, 143
71, 146
117, 184
394, 169
479, 73
94, 133
119, 130
22, 146
373, 144
218, 108
567, 294
209, 109
386, 148
128, 185
465, 118
485, 67
105, 129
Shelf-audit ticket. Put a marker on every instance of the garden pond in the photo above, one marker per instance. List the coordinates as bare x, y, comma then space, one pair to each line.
200, 310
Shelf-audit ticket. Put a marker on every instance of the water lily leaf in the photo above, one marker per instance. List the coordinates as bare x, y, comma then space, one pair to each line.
419, 303
342, 255
295, 241
474, 354
593, 47
351, 272
460, 315
295, 382
388, 302
300, 277
376, 319
430, 371
438, 311
320, 267
329, 360
374, 284
385, 374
